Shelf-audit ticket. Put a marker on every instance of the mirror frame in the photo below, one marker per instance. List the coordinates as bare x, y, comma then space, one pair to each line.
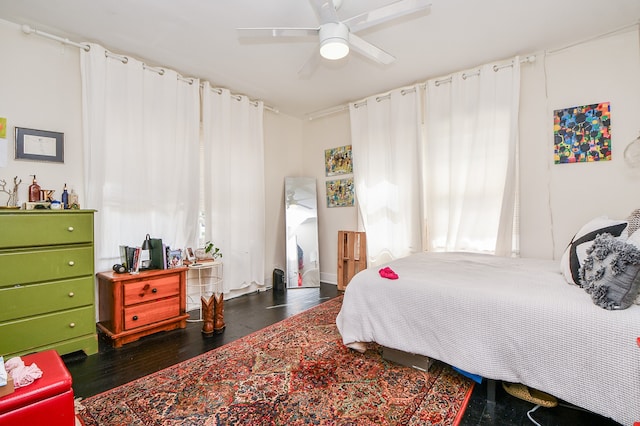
301, 239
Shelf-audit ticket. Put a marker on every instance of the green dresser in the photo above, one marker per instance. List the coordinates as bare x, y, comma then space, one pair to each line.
46, 282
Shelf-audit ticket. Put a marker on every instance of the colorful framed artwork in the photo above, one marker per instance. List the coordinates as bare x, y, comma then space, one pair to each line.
340, 193
582, 134
338, 161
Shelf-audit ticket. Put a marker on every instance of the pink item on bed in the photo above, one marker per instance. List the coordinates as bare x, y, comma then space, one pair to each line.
388, 273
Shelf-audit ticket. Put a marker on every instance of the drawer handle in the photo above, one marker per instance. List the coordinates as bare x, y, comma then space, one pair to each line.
155, 290
72, 325
71, 294
145, 288
135, 318
70, 229
71, 263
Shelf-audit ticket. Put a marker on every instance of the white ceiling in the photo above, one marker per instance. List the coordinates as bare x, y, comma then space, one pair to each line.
198, 38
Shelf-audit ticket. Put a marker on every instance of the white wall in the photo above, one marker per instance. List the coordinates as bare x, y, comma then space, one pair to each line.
296, 148
556, 200
40, 89
283, 153
320, 134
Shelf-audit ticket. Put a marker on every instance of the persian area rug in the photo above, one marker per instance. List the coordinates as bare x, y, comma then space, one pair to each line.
295, 372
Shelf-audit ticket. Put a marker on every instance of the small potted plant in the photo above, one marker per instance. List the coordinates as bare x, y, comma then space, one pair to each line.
212, 251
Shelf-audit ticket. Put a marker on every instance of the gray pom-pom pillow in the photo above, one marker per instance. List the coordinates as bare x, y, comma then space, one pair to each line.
575, 253
611, 272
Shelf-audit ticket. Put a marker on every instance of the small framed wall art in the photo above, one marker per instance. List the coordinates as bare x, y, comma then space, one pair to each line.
582, 134
338, 161
340, 193
39, 145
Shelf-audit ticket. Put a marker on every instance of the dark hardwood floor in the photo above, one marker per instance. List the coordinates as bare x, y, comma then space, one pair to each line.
112, 367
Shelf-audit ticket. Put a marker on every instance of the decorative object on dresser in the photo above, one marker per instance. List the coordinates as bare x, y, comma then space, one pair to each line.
46, 284
12, 201
135, 305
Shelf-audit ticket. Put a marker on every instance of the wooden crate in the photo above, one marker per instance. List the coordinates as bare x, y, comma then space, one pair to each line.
352, 256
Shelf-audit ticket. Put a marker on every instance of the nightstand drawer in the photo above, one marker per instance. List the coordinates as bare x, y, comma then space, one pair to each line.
148, 290
23, 335
149, 313
35, 299
23, 267
46, 228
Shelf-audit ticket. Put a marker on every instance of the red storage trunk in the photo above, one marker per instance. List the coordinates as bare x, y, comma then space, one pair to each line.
47, 401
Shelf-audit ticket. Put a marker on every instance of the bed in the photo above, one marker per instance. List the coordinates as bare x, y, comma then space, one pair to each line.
509, 319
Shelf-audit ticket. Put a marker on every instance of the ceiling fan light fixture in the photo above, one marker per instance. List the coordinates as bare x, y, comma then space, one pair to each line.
333, 41
334, 49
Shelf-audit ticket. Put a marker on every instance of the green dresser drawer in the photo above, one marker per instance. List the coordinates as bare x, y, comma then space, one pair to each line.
36, 299
22, 335
29, 228
21, 267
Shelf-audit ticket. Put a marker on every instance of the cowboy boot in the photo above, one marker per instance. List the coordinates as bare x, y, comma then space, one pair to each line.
207, 315
218, 316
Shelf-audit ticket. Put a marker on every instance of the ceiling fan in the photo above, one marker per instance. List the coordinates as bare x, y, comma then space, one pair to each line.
337, 37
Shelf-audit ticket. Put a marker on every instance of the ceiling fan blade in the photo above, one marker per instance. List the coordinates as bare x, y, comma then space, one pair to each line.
386, 13
369, 50
325, 10
310, 66
278, 32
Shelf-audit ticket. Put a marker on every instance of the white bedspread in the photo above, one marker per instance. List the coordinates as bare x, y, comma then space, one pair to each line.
506, 319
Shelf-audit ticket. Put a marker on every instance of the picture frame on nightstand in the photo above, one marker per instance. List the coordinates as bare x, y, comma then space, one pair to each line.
175, 259
190, 256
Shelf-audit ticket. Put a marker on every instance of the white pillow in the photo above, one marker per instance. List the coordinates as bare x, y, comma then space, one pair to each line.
573, 257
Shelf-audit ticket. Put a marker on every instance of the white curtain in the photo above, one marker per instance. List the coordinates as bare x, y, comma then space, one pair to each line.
234, 183
470, 160
140, 136
385, 134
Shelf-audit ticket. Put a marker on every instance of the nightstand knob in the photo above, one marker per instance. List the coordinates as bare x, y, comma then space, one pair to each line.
72, 325
70, 229
71, 263
155, 290
71, 294
135, 318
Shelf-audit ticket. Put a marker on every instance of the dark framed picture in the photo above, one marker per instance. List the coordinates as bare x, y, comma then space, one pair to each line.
39, 145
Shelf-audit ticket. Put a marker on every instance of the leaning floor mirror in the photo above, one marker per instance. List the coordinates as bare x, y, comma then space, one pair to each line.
301, 216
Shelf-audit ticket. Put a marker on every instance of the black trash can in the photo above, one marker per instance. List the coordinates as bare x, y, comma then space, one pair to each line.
278, 280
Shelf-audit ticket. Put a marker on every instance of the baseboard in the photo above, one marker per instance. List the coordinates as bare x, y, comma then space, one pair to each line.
329, 278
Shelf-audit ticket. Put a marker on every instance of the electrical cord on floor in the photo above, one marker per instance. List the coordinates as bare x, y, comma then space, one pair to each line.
574, 407
531, 418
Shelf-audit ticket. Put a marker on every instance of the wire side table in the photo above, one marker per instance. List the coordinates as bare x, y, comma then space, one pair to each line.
203, 280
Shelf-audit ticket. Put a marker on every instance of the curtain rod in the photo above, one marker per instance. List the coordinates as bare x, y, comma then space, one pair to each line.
380, 97
527, 59
239, 97
28, 30
124, 59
